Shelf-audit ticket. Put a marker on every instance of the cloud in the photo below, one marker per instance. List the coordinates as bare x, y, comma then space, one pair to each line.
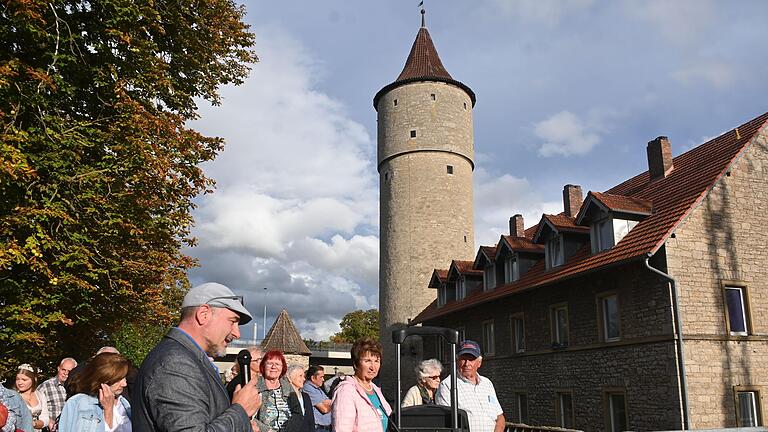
296, 197
719, 74
565, 134
498, 198
681, 22
549, 12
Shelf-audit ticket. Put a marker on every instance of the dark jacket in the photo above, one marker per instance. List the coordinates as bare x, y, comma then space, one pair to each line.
178, 389
308, 425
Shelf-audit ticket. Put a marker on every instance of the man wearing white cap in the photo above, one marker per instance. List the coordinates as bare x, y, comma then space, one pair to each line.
178, 387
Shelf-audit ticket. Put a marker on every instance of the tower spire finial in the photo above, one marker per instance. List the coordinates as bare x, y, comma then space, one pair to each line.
423, 20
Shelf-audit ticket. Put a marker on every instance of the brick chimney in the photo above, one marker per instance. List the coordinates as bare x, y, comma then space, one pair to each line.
659, 158
516, 226
572, 199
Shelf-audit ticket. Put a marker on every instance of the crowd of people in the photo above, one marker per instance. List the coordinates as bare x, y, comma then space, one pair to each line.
179, 388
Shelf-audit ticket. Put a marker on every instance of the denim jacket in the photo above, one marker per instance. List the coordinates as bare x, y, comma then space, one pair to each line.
82, 413
19, 415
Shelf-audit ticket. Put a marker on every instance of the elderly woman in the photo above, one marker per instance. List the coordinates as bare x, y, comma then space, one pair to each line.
358, 405
97, 404
278, 413
423, 393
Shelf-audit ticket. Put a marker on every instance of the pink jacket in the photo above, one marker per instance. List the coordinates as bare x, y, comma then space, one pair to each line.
353, 411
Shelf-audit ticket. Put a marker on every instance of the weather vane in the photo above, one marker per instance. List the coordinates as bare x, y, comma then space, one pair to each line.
421, 5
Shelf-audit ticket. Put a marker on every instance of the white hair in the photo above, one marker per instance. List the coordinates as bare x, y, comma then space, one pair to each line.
293, 368
68, 359
428, 368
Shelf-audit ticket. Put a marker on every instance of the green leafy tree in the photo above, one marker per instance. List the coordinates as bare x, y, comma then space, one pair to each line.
358, 324
136, 340
98, 168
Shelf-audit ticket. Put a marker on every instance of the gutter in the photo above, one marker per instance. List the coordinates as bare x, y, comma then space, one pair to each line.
678, 338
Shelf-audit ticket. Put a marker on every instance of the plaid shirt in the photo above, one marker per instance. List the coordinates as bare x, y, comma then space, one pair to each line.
479, 401
56, 395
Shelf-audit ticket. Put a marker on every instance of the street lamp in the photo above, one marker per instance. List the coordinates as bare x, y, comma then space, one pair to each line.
264, 327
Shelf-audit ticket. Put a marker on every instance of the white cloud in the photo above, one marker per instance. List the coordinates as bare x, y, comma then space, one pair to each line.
549, 12
565, 134
681, 22
499, 198
719, 74
296, 195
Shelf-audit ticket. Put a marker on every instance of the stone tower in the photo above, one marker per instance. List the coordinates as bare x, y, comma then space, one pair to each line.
425, 164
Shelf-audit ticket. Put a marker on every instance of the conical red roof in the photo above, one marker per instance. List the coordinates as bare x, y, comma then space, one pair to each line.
423, 61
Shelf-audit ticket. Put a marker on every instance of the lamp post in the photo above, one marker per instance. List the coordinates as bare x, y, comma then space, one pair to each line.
264, 327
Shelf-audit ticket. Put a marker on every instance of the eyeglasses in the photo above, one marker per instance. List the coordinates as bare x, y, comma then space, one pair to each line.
256, 360
237, 297
273, 365
435, 377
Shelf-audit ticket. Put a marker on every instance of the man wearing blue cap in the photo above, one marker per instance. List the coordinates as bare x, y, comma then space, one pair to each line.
477, 396
178, 387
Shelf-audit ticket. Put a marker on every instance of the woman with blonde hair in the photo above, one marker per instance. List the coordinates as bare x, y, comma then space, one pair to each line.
97, 404
26, 383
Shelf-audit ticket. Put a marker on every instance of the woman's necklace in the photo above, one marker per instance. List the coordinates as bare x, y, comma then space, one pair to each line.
369, 389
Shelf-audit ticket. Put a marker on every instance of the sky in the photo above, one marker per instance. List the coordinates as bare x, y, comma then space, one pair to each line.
568, 91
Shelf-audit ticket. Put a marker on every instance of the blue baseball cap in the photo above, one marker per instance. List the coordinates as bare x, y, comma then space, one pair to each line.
469, 347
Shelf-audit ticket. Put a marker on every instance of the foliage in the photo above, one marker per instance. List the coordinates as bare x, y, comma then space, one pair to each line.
358, 324
136, 340
97, 167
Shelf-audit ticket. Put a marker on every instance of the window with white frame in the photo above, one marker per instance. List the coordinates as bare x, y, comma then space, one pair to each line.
602, 235
554, 252
488, 338
511, 269
517, 328
736, 309
565, 410
748, 408
461, 288
559, 324
489, 277
610, 325
616, 412
521, 407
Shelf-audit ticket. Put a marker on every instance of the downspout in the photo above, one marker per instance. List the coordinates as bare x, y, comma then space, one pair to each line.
678, 339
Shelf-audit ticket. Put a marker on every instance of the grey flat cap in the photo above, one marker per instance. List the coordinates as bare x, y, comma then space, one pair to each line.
217, 295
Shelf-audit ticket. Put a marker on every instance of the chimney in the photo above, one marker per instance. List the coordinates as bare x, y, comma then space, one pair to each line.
572, 199
659, 158
516, 226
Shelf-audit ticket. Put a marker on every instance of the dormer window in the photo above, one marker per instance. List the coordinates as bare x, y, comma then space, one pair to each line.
442, 295
489, 278
607, 232
554, 252
461, 288
511, 270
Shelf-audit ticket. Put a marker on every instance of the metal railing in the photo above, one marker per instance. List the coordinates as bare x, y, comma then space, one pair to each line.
522, 427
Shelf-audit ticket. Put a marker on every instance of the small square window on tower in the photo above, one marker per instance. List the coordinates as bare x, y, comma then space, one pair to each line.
449, 169
433, 96
413, 134
395, 102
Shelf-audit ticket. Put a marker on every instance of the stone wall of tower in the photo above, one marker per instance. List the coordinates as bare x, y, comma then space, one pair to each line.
426, 197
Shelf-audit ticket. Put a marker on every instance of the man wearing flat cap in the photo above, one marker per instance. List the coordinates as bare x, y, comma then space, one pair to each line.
476, 393
178, 387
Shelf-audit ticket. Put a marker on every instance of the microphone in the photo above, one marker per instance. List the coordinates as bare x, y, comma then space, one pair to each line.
244, 360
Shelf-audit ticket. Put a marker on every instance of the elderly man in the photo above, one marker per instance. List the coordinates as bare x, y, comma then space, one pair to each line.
55, 391
178, 387
321, 404
256, 355
477, 396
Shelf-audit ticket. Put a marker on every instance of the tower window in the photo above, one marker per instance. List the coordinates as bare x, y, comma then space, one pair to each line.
386, 176
433, 96
395, 102
465, 105
413, 134
449, 169
465, 239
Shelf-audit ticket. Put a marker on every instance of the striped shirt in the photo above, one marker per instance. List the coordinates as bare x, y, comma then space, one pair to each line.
478, 400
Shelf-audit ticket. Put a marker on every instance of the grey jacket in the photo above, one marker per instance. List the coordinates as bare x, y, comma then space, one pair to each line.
177, 389
293, 424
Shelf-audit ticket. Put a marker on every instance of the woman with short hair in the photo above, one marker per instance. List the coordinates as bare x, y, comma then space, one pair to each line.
358, 404
97, 404
423, 393
277, 413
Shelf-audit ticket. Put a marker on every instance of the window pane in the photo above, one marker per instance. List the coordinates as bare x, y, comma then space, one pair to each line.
522, 408
561, 325
618, 413
747, 409
735, 304
611, 317
606, 234
566, 410
519, 329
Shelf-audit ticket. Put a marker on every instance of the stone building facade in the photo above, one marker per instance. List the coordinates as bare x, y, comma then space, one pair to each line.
587, 337
425, 164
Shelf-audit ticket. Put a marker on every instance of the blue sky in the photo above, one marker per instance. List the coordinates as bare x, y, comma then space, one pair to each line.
568, 91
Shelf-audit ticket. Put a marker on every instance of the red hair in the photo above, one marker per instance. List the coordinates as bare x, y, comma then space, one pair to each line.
271, 355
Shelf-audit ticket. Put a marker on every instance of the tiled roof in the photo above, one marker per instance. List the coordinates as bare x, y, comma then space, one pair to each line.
464, 268
284, 337
673, 198
560, 223
521, 244
486, 253
438, 277
621, 203
423, 64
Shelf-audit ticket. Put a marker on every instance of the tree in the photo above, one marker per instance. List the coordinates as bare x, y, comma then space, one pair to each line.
97, 166
358, 324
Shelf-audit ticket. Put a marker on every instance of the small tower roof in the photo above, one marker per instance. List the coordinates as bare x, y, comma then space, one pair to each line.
283, 336
423, 64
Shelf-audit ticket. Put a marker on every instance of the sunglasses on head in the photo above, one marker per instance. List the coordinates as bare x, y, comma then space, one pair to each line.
239, 298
